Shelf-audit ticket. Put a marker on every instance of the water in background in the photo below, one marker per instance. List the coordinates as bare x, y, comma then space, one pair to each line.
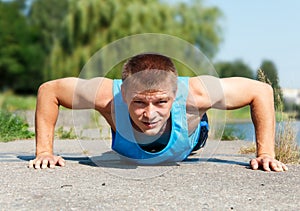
247, 130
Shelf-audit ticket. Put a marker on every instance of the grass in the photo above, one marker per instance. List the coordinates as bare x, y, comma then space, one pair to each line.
13, 127
242, 114
11, 102
61, 133
248, 149
286, 148
231, 133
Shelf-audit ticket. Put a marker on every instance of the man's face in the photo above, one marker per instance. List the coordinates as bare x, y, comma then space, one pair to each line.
149, 95
150, 110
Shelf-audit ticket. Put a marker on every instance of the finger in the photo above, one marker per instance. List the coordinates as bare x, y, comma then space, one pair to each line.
282, 167
37, 164
51, 164
266, 164
61, 161
45, 164
285, 168
276, 166
254, 164
31, 164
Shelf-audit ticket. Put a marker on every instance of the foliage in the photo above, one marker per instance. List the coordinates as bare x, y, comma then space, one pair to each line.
268, 74
42, 40
47, 16
286, 148
231, 133
292, 109
241, 114
251, 149
297, 109
88, 25
65, 134
13, 127
234, 69
21, 57
11, 102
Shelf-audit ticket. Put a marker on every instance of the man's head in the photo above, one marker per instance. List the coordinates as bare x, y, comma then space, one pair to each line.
149, 89
147, 61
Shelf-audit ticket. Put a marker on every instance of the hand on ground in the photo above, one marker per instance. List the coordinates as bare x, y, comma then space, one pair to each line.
267, 163
46, 160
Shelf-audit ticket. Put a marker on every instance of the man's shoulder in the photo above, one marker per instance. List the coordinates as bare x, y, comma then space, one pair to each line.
201, 90
204, 80
103, 87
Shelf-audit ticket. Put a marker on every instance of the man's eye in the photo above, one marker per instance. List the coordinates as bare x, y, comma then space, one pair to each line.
138, 102
163, 101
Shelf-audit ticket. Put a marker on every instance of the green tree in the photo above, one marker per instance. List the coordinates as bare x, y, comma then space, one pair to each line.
234, 69
270, 71
20, 54
88, 25
47, 16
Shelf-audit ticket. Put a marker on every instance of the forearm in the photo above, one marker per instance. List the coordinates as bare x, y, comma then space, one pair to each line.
263, 117
45, 119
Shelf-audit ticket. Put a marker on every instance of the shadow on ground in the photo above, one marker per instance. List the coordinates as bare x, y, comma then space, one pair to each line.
112, 160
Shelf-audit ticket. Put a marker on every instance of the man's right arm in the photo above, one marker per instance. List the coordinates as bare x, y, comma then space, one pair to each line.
71, 93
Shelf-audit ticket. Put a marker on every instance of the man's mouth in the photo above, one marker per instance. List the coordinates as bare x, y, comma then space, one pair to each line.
150, 124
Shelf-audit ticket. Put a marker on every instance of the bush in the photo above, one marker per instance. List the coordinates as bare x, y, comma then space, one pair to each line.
286, 148
231, 133
65, 134
13, 127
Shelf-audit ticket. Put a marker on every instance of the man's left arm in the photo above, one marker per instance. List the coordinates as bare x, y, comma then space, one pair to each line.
236, 92
240, 92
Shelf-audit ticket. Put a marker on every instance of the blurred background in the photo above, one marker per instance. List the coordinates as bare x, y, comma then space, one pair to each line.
41, 40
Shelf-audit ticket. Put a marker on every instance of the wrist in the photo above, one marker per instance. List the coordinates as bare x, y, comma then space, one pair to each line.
38, 153
272, 155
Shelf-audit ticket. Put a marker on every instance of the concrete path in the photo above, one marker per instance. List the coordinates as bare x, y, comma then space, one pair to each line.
217, 179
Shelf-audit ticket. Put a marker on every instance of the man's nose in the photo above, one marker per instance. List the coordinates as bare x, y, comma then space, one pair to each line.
149, 111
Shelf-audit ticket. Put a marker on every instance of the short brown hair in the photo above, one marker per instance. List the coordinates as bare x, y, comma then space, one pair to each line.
147, 61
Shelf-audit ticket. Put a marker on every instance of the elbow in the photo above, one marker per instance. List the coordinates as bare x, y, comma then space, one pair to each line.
45, 88
47, 91
264, 94
268, 90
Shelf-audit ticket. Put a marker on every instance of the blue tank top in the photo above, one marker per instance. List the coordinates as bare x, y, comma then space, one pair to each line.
179, 145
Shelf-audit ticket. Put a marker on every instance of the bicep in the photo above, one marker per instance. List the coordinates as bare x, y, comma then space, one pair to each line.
207, 92
225, 93
240, 92
93, 93
73, 93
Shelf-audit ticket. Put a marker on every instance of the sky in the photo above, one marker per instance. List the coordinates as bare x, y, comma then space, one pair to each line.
259, 30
